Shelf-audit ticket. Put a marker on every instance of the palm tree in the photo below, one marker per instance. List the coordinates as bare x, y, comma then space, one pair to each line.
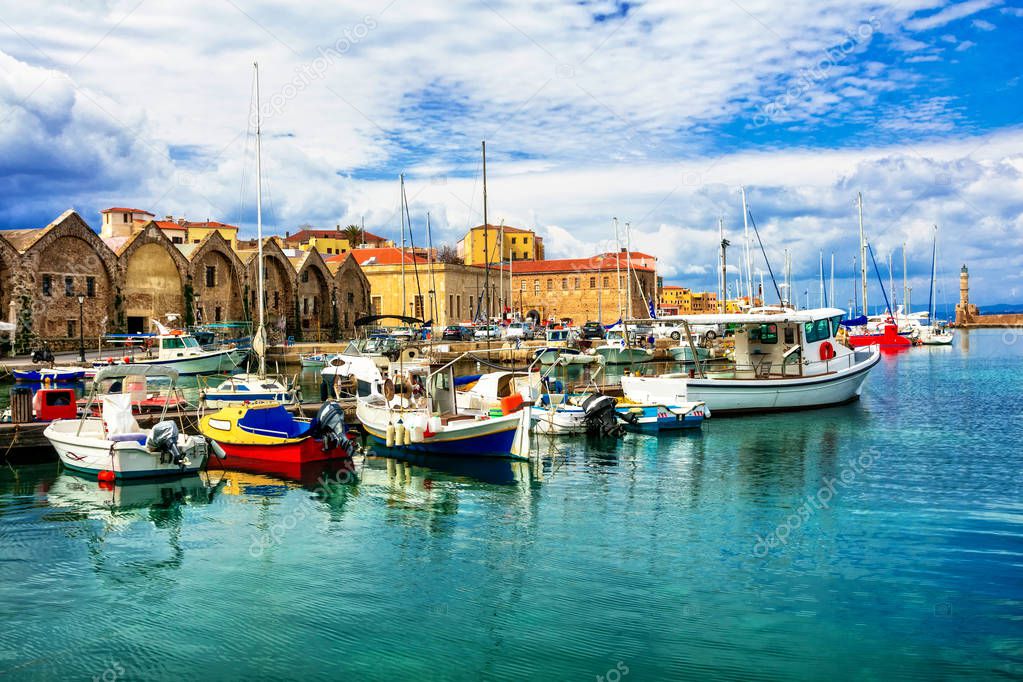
353, 233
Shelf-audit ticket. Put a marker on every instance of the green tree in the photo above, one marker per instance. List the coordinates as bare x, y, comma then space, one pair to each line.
353, 233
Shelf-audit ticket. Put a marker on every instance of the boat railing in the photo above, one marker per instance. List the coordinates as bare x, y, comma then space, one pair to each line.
266, 432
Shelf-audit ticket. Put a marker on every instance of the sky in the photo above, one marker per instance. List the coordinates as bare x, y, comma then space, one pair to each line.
654, 113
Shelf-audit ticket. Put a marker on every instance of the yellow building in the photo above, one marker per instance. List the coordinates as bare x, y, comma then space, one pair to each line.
675, 300
444, 292
332, 242
499, 244
198, 231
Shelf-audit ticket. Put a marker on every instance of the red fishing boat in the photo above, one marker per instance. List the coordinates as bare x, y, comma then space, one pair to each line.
889, 339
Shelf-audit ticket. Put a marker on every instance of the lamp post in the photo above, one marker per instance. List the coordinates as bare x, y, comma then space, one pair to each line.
81, 328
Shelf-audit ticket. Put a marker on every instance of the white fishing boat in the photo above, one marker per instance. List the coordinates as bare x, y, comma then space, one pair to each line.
934, 333
492, 390
684, 353
784, 360
114, 446
247, 388
617, 352
571, 356
313, 359
178, 350
415, 409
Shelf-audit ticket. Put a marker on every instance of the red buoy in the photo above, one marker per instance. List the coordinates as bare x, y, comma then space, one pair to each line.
105, 476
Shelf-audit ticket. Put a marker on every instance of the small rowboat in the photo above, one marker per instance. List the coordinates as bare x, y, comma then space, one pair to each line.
313, 359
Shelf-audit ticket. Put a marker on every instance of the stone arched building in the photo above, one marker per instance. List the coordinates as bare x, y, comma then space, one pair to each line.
125, 281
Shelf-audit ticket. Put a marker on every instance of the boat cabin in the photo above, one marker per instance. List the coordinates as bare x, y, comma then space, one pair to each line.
780, 342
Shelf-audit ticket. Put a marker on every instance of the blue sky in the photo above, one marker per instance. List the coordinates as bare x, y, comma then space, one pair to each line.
653, 112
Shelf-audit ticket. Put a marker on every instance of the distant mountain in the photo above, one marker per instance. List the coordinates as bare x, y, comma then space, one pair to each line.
1001, 308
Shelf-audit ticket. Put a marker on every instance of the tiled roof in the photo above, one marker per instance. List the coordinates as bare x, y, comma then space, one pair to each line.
169, 225
211, 224
605, 262
387, 255
118, 209
304, 235
507, 228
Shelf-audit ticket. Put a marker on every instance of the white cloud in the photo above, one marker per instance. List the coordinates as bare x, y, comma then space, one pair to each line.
950, 14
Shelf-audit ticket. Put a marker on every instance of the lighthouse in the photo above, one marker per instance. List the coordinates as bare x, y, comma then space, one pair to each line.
965, 313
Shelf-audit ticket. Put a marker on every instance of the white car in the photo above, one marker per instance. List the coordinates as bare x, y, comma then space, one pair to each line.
491, 331
519, 330
699, 331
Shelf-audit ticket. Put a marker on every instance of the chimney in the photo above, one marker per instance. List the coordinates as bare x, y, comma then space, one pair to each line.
338, 227
169, 218
181, 221
287, 234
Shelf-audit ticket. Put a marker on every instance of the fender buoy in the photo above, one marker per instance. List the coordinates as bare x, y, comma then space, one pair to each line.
827, 351
105, 476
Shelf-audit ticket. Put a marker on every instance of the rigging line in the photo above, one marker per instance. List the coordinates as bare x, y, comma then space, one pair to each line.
245, 151
881, 281
415, 262
766, 259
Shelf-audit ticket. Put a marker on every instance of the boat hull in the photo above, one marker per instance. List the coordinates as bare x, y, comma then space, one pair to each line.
303, 452
622, 356
656, 418
38, 376
209, 363
562, 421
89, 454
738, 396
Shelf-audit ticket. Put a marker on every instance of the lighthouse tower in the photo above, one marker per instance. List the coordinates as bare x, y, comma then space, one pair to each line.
965, 313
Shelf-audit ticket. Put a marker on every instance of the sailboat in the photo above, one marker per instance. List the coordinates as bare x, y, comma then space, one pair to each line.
263, 430
616, 349
933, 333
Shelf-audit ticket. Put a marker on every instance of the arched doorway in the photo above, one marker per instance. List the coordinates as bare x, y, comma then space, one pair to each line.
216, 288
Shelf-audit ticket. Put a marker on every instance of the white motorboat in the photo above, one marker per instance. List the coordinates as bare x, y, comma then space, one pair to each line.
936, 335
247, 388
784, 360
114, 446
570, 356
180, 351
415, 409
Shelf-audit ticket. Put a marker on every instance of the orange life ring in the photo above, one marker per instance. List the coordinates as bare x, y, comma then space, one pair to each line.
827, 351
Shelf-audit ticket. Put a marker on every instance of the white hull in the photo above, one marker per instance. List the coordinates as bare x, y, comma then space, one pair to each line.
212, 362
246, 388
622, 356
723, 396
561, 421
90, 452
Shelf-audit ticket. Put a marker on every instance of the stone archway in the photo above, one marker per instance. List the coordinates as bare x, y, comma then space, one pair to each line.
353, 294
279, 287
154, 277
216, 282
315, 298
66, 260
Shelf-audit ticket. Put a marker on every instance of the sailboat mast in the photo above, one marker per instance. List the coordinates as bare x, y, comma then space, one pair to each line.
501, 301
628, 266
931, 312
821, 277
486, 235
433, 268
831, 292
746, 248
401, 212
863, 254
723, 284
618, 270
261, 331
891, 282
905, 282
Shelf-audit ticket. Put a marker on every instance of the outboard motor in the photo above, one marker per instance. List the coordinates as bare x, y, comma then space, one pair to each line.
329, 425
600, 416
164, 439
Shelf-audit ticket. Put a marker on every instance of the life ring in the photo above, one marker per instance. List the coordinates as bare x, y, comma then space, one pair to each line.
827, 351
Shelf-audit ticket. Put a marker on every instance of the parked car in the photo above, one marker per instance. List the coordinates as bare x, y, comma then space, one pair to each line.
489, 331
593, 330
520, 330
456, 332
700, 332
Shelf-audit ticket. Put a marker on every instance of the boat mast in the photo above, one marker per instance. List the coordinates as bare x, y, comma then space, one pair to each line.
433, 276
401, 211
746, 248
628, 266
905, 283
891, 283
831, 292
821, 277
500, 275
486, 236
261, 330
618, 270
722, 279
863, 253
931, 312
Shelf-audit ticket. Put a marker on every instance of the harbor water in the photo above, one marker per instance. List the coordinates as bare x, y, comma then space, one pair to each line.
879, 540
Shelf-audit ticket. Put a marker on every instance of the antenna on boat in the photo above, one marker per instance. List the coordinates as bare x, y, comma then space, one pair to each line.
863, 252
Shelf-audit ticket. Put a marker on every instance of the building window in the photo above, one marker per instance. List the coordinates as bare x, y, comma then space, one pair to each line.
124, 216
525, 240
513, 240
90, 287
564, 283
216, 314
576, 283
71, 329
593, 282
550, 284
47, 285
458, 306
536, 287
305, 306
351, 298
69, 286
523, 285
277, 299
378, 304
606, 282
195, 241
305, 276
211, 275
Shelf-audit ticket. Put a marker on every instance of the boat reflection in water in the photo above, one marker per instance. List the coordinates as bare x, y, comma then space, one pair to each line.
400, 465
122, 502
308, 475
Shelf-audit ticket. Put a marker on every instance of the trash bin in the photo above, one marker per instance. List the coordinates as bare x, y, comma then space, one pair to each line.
21, 405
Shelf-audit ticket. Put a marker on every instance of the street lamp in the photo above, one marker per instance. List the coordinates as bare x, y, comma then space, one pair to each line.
81, 328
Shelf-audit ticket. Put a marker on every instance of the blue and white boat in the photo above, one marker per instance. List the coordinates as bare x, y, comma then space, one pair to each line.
653, 418
56, 374
415, 409
178, 350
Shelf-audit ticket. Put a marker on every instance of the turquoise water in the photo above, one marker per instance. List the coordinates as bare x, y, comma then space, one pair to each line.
674, 558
